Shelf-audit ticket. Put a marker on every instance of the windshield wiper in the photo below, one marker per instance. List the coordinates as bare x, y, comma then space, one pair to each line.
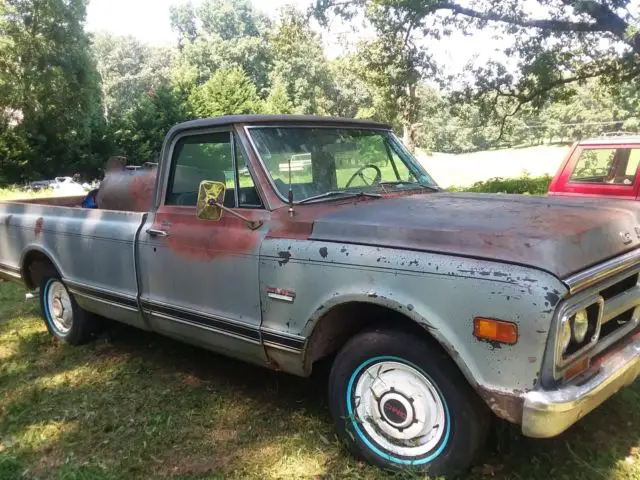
336, 193
413, 184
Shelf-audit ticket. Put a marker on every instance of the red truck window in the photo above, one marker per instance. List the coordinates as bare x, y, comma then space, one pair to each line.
615, 166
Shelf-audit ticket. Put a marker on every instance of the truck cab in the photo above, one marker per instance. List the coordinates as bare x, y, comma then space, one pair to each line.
600, 167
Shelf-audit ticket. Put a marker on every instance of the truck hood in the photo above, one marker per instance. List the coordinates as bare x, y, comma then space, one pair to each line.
559, 235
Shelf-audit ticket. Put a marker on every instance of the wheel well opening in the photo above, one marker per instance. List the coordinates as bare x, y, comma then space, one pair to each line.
35, 266
342, 322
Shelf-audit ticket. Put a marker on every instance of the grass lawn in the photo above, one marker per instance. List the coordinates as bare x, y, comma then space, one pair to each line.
16, 193
136, 405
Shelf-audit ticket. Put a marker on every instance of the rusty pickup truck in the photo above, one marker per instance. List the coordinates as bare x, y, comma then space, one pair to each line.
286, 240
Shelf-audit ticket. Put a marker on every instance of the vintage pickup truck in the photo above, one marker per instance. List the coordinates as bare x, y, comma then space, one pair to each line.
284, 240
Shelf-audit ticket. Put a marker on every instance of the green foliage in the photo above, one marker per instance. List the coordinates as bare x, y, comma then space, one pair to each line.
223, 34
50, 111
140, 132
299, 64
65, 107
128, 69
524, 184
278, 100
10, 467
226, 92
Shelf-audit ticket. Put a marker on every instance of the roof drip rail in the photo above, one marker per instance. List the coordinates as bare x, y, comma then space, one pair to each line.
619, 133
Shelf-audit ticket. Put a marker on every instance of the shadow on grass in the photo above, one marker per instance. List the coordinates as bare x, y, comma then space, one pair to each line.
137, 405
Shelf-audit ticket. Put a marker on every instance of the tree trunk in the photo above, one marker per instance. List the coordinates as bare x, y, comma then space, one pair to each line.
408, 137
407, 113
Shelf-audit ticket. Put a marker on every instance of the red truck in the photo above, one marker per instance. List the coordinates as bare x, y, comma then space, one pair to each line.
600, 167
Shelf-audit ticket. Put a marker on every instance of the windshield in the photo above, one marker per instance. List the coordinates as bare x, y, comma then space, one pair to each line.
333, 160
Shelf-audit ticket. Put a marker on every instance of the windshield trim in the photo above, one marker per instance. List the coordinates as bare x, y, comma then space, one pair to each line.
394, 146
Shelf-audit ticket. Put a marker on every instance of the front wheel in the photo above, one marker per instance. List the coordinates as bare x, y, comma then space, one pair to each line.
401, 404
63, 317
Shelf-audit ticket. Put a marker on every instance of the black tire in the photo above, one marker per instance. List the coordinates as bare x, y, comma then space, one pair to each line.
452, 443
82, 326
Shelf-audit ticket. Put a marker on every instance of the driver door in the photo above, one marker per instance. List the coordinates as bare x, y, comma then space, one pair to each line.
199, 278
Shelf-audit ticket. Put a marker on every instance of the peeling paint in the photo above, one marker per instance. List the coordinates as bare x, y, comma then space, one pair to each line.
324, 252
494, 345
552, 298
285, 256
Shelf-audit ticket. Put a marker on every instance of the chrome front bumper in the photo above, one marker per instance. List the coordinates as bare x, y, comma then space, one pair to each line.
549, 413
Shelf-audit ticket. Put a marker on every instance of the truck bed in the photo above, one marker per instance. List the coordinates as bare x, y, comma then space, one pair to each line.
93, 249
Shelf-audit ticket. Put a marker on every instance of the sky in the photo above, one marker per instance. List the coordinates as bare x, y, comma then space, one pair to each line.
148, 20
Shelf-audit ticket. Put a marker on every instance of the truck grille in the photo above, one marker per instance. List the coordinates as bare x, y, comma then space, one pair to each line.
621, 301
619, 297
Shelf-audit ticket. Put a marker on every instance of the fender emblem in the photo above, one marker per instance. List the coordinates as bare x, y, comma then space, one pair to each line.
281, 294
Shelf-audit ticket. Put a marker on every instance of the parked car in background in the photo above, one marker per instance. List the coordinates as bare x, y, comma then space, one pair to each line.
66, 186
434, 308
39, 185
600, 167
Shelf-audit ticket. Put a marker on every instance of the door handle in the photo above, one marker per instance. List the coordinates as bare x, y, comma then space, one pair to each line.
157, 233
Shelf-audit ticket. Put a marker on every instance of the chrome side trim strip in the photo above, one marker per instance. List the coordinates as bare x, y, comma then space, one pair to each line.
103, 301
597, 273
201, 326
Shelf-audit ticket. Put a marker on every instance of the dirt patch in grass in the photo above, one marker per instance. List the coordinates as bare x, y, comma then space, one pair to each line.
136, 405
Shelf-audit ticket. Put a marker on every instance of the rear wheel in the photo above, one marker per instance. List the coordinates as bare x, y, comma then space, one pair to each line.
400, 403
63, 317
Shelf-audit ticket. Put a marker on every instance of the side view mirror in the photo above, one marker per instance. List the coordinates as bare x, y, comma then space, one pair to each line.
211, 204
210, 200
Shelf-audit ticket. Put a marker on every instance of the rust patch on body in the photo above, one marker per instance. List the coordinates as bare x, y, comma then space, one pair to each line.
505, 405
38, 227
204, 240
300, 225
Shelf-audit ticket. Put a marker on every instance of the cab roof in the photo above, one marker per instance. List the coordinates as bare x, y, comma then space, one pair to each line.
616, 139
277, 119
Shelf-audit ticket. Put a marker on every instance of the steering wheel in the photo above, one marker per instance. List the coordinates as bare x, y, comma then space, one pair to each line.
359, 174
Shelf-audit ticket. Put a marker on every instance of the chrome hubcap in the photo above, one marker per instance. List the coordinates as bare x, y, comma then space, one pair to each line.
400, 409
59, 307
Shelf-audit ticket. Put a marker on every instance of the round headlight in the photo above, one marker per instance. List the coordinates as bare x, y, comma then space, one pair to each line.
565, 336
580, 326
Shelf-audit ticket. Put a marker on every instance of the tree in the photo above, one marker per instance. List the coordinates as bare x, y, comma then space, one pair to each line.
299, 63
139, 133
223, 34
278, 100
554, 43
228, 91
50, 111
128, 68
393, 63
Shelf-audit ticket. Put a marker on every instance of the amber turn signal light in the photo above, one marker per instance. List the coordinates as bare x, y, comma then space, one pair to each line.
577, 368
495, 330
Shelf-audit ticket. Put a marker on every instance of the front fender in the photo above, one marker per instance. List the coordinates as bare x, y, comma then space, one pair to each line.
439, 292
